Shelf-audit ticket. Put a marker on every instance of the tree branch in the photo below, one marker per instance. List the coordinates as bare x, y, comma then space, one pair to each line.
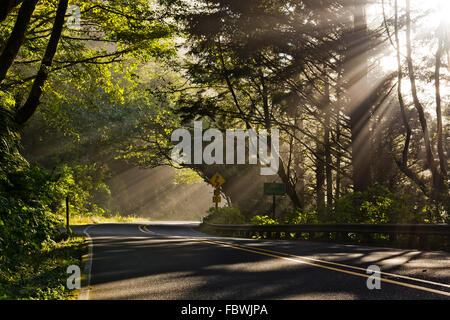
27, 110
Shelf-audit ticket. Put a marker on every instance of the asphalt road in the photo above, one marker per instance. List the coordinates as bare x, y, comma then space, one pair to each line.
171, 260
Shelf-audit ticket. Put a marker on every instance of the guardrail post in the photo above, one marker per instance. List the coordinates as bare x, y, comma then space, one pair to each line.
392, 237
326, 236
423, 241
367, 238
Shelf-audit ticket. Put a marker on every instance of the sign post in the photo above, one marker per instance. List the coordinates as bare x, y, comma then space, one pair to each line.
217, 181
274, 189
67, 215
216, 197
273, 207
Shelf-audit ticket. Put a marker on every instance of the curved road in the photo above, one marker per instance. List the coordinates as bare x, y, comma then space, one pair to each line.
171, 260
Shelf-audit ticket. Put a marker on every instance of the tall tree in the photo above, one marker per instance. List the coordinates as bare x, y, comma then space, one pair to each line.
358, 89
439, 186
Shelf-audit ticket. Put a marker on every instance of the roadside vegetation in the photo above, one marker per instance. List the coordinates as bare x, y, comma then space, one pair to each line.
377, 206
358, 91
80, 219
42, 273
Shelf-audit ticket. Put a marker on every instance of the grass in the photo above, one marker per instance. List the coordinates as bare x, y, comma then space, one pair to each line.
80, 219
43, 274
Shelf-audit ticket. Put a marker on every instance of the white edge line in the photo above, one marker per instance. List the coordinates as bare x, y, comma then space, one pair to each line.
84, 292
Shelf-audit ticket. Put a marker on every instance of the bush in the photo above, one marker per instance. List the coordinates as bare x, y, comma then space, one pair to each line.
29, 199
297, 216
377, 205
23, 228
262, 220
43, 274
224, 215
32, 184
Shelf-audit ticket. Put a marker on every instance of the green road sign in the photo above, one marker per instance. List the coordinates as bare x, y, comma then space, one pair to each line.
276, 189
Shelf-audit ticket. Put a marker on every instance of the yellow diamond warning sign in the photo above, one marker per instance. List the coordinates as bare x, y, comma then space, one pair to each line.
217, 180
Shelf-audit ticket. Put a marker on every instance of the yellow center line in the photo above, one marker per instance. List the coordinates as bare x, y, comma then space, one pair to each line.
345, 266
297, 259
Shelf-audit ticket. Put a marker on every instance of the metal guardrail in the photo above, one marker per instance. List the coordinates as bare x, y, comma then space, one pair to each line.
390, 229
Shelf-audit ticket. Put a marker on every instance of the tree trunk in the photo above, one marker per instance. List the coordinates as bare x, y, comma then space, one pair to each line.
403, 163
17, 36
320, 181
399, 92
290, 187
337, 190
300, 166
438, 184
357, 67
440, 144
328, 159
27, 110
285, 178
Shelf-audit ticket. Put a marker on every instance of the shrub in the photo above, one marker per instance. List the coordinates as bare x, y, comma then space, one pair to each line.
24, 228
29, 199
377, 205
224, 215
262, 220
297, 216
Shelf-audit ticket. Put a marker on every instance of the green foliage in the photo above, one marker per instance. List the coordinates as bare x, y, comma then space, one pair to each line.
187, 176
297, 216
377, 205
224, 215
32, 199
261, 220
29, 198
10, 158
147, 142
26, 195
43, 274
88, 191
24, 228
35, 185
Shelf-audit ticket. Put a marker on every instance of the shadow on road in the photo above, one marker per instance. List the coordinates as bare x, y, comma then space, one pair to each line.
130, 264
